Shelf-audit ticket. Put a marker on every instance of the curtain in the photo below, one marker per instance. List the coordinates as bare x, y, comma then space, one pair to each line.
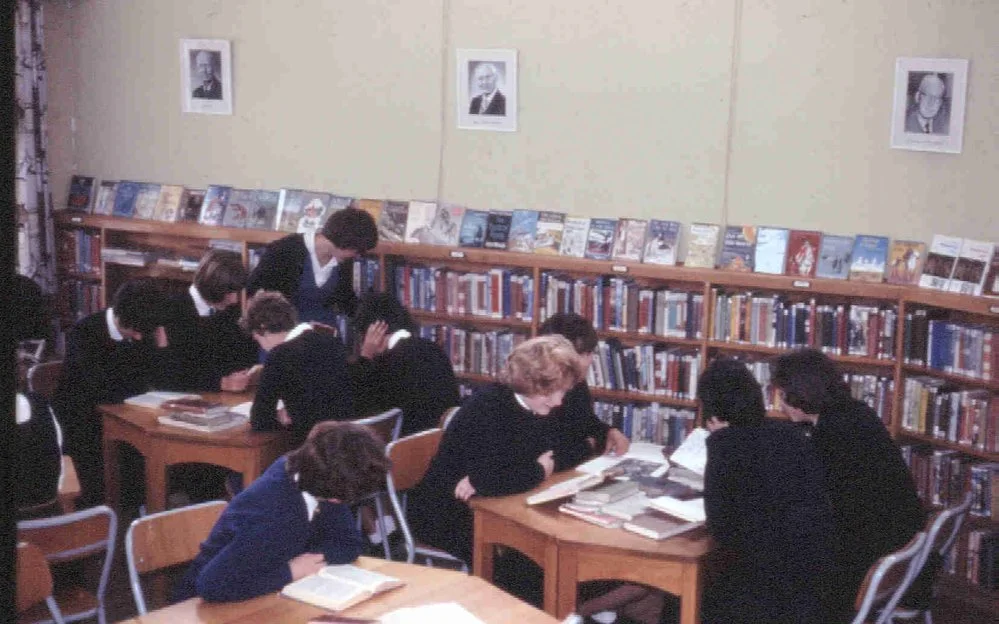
35, 238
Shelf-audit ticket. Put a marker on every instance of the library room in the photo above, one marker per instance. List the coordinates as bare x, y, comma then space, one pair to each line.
529, 311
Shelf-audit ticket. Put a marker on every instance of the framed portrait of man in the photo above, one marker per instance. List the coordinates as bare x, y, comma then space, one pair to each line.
928, 105
206, 76
486, 94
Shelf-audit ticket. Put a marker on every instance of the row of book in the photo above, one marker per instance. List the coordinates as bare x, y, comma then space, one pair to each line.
494, 293
474, 352
951, 263
653, 369
78, 299
648, 422
965, 349
933, 407
983, 558
79, 250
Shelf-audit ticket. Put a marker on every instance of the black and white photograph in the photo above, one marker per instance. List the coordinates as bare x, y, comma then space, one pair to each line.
487, 90
928, 111
206, 76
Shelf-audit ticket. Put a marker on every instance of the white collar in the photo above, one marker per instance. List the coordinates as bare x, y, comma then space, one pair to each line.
113, 327
22, 409
401, 334
199, 302
311, 502
321, 271
522, 401
297, 331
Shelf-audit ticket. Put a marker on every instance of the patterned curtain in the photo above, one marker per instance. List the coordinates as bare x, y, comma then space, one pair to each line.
35, 239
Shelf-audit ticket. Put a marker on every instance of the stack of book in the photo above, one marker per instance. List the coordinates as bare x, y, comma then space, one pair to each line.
200, 415
589, 505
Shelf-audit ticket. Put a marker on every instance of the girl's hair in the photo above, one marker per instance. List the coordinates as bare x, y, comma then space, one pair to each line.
340, 460
729, 392
268, 312
542, 366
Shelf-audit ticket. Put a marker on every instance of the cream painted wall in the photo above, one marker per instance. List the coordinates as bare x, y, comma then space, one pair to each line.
739, 111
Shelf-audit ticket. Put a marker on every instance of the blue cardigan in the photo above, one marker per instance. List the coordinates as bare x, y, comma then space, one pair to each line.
263, 528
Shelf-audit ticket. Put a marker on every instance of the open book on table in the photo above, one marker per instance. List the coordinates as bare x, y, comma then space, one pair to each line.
668, 516
338, 587
157, 398
565, 488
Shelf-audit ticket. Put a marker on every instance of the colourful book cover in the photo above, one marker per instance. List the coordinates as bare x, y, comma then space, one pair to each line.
548, 234
629, 239
662, 242
802, 253
104, 205
191, 208
447, 224
392, 223
600, 239
771, 250
702, 245
498, 229
990, 288
145, 200
473, 228
738, 247
169, 203
371, 206
213, 206
261, 209
238, 210
905, 261
124, 198
835, 256
870, 253
940, 261
523, 228
970, 269
315, 211
421, 216
574, 236
81, 194
338, 203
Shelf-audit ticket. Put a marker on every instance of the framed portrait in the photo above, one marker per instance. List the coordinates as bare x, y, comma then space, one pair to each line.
928, 110
487, 90
206, 76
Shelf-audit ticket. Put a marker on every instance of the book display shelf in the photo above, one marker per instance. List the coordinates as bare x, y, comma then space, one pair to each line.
925, 360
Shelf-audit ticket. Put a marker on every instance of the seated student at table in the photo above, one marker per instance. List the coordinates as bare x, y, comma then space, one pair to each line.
492, 446
293, 520
398, 368
766, 508
206, 349
875, 507
305, 379
37, 456
110, 356
315, 271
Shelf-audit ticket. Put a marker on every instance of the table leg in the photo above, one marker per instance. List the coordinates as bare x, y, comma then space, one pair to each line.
156, 482
112, 480
560, 591
482, 551
690, 595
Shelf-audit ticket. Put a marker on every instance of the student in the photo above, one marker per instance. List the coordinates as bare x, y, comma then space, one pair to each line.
876, 509
766, 507
293, 520
314, 271
37, 455
305, 379
574, 423
397, 368
110, 356
492, 446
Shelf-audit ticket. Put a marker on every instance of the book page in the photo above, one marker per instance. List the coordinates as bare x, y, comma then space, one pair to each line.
644, 451
324, 591
691, 510
371, 581
565, 488
243, 409
693, 453
157, 398
450, 612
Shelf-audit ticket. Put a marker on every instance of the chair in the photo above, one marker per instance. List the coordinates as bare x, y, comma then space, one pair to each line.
887, 581
411, 457
166, 539
448, 415
34, 581
71, 537
43, 378
387, 425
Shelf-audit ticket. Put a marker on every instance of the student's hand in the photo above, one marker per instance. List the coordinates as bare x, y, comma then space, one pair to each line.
161, 337
375, 339
306, 564
547, 461
464, 490
235, 382
617, 442
283, 418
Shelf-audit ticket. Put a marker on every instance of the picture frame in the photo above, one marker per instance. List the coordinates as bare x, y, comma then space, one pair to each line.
929, 104
486, 94
206, 76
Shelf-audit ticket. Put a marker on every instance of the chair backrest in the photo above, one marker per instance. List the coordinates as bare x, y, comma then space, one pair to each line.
448, 415
43, 378
944, 529
411, 458
387, 424
78, 535
166, 539
887, 580
34, 578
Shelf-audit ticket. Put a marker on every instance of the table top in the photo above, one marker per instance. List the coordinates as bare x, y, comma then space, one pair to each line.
547, 519
424, 586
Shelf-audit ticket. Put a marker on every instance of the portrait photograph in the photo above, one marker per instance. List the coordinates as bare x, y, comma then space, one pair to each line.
928, 106
206, 76
486, 95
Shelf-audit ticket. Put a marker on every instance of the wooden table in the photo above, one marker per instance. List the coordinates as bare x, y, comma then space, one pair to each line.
239, 449
571, 551
423, 586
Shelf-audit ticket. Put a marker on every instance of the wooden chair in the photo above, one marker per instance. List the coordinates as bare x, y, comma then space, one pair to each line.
448, 415
387, 425
43, 378
34, 581
887, 581
71, 537
165, 539
411, 457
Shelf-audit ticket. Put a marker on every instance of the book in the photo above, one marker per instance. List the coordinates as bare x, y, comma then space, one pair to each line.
419, 221
940, 261
523, 228
214, 204
124, 198
659, 526
600, 238
449, 612
566, 488
738, 246
835, 256
337, 203
574, 233
194, 405
692, 453
905, 262
392, 222
870, 254
970, 269
81, 194
104, 204
292, 206
608, 492
447, 225
146, 199
261, 209
591, 515
548, 233
314, 213
473, 228
155, 399
191, 207
168, 206
498, 229
771, 250
690, 482
629, 239
661, 242
338, 587
691, 509
990, 287
221, 423
802, 253
702, 245
627, 507
371, 206
236, 212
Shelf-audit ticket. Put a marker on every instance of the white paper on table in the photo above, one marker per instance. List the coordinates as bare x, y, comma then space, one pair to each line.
243, 408
446, 612
644, 451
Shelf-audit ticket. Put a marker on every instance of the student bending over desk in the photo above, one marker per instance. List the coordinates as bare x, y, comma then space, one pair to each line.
293, 520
